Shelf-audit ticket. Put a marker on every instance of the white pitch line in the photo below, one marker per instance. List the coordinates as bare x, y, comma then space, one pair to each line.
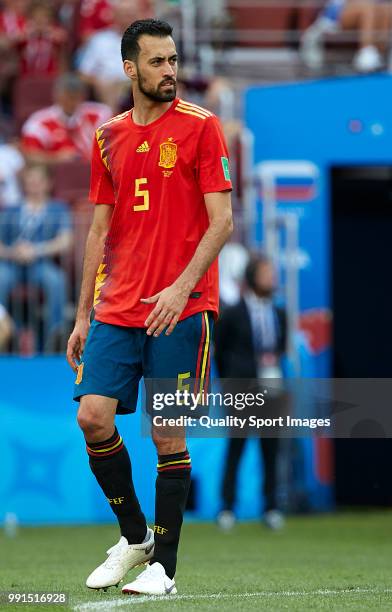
140, 599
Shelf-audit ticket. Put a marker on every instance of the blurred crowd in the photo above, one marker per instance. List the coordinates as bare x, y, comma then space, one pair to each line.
61, 77
370, 21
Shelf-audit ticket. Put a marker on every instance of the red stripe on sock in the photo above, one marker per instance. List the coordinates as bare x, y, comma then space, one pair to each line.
187, 466
103, 445
116, 450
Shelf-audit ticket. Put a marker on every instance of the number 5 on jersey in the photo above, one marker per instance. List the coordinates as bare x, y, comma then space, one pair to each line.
142, 193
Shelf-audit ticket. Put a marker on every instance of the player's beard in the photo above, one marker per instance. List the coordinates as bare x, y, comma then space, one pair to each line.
157, 95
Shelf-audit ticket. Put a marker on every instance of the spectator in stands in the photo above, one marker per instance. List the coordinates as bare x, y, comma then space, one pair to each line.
250, 340
95, 15
11, 164
42, 45
64, 131
12, 29
12, 22
100, 62
372, 19
31, 235
82, 18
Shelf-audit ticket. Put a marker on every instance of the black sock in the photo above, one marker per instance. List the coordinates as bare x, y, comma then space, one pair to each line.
111, 466
172, 487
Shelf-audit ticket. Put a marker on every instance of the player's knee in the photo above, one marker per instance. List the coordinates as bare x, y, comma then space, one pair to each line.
90, 420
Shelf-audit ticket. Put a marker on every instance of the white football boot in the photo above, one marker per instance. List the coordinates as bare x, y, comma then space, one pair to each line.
121, 558
153, 581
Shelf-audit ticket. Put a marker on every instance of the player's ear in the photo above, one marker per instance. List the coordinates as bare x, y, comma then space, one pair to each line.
130, 69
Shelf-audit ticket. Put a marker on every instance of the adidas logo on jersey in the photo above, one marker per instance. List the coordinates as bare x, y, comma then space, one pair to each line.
144, 147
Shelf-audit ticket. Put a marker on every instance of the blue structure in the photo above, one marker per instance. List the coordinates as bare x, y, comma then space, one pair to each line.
334, 122
45, 474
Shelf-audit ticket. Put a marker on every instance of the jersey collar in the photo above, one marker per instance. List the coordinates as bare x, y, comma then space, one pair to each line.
145, 128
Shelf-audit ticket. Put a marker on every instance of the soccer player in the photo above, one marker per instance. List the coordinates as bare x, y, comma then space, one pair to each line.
161, 185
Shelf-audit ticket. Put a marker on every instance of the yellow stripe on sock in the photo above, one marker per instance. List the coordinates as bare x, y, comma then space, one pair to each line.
106, 450
173, 462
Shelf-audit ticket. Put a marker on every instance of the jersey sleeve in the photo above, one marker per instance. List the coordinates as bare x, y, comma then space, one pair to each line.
101, 185
213, 171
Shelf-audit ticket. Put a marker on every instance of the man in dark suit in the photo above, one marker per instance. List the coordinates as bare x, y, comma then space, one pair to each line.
250, 340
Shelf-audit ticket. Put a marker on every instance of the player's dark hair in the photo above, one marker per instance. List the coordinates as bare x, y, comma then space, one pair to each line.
251, 268
152, 27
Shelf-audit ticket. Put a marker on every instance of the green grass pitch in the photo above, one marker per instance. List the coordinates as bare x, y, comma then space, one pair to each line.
328, 562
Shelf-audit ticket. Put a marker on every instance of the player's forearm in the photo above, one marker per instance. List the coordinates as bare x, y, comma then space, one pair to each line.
92, 258
208, 249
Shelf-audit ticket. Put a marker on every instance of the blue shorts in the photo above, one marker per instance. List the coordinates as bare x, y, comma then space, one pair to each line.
115, 358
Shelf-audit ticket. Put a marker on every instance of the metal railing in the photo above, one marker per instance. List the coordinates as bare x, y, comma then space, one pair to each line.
224, 45
39, 291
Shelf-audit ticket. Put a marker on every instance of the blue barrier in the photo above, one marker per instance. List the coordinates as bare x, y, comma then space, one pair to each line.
45, 477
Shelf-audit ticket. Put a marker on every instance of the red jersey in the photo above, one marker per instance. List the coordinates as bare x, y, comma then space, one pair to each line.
156, 176
40, 52
94, 15
50, 130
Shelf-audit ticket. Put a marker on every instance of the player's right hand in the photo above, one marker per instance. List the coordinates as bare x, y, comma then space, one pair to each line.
76, 342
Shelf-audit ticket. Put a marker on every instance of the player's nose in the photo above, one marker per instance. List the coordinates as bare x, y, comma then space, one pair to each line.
169, 70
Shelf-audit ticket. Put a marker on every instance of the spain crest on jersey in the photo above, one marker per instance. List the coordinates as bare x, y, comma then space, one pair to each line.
168, 154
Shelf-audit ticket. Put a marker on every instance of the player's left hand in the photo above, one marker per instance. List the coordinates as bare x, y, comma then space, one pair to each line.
170, 303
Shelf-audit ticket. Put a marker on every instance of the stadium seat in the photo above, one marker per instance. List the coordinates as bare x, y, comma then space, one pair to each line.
30, 94
71, 180
262, 26
340, 41
306, 16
